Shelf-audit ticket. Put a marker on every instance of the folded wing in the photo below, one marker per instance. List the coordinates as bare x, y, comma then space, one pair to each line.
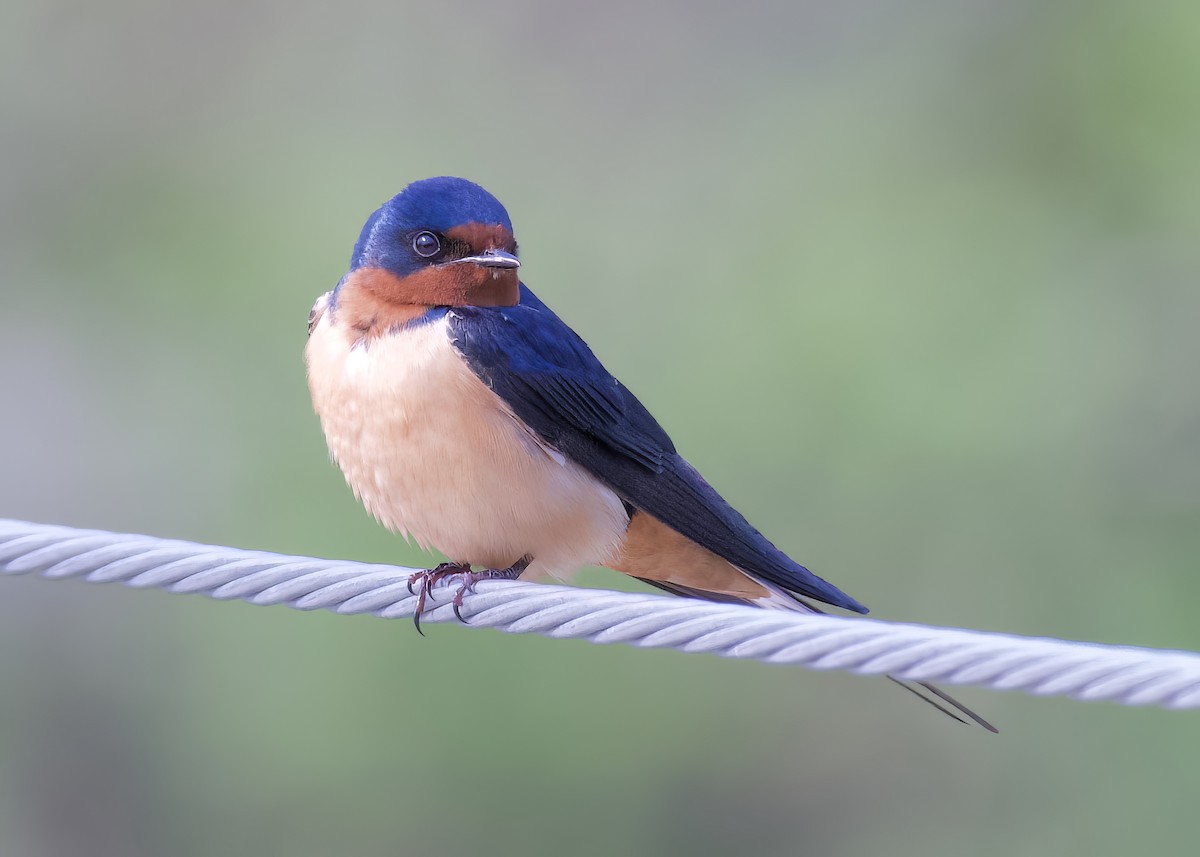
549, 377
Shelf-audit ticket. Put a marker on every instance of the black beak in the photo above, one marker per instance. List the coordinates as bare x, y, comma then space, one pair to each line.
493, 259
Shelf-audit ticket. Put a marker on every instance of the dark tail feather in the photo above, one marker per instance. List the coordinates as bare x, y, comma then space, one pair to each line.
911, 687
699, 594
945, 697
950, 700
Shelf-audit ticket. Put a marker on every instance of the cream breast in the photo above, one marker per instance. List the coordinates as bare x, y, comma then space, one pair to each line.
433, 453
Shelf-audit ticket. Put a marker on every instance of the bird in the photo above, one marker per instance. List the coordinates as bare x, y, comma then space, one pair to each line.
467, 416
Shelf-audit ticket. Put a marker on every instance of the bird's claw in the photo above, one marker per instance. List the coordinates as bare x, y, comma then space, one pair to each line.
468, 585
430, 576
427, 579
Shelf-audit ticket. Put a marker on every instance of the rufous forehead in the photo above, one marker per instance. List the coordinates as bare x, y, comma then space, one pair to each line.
483, 236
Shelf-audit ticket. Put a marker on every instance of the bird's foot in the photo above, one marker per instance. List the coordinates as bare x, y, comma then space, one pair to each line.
464, 576
424, 582
468, 579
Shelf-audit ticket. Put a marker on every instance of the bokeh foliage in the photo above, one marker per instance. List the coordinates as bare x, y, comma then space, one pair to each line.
916, 285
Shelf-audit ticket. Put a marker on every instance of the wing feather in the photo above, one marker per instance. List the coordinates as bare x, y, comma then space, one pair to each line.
550, 378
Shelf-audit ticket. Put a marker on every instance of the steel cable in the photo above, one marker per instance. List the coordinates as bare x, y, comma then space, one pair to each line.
1087, 671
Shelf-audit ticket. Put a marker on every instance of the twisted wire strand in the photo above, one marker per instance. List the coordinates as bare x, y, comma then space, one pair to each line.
1087, 671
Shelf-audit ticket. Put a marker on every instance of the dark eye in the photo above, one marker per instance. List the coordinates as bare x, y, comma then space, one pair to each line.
426, 244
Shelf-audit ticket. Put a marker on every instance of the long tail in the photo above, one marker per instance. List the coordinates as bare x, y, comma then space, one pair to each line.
782, 600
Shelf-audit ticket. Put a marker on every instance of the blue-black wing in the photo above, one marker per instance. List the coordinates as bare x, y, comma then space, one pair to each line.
551, 380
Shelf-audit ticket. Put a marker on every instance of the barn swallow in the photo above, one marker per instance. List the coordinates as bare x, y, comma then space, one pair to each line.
468, 416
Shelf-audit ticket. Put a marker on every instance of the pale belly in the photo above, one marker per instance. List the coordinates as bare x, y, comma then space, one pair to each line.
433, 453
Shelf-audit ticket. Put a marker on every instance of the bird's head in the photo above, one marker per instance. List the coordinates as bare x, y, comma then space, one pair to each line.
439, 242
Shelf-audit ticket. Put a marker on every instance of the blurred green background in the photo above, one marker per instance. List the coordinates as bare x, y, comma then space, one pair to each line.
917, 286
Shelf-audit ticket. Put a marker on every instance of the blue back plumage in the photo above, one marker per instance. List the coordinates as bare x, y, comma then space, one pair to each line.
550, 378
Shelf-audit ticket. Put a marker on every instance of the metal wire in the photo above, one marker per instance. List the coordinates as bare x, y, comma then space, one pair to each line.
1088, 671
